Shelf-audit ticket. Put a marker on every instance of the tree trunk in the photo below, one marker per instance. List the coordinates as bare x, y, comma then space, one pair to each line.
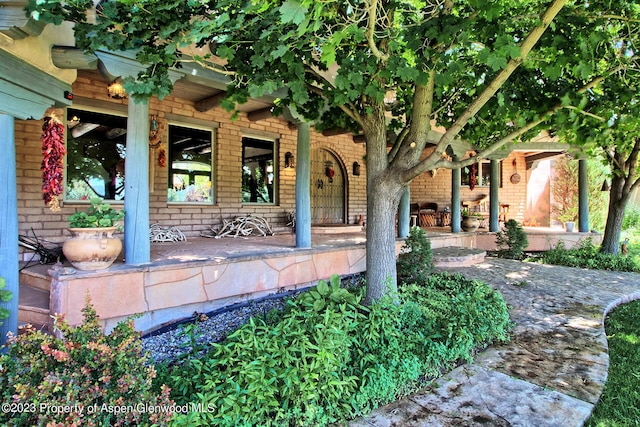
384, 189
618, 197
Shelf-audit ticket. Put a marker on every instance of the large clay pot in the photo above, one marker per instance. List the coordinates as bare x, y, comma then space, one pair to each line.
470, 223
92, 248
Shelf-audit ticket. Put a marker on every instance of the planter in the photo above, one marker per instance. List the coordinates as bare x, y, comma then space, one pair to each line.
568, 226
92, 248
470, 223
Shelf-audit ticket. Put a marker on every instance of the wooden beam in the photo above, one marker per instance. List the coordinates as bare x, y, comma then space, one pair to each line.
72, 58
207, 104
26, 91
334, 132
359, 139
530, 160
262, 114
15, 23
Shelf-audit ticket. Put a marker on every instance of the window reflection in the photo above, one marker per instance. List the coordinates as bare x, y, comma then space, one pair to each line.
96, 150
482, 171
258, 174
191, 166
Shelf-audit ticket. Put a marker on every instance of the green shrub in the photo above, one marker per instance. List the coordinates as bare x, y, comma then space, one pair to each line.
631, 219
587, 255
101, 378
511, 240
415, 261
5, 296
328, 358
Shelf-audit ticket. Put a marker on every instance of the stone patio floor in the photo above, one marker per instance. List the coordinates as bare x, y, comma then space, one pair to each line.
553, 370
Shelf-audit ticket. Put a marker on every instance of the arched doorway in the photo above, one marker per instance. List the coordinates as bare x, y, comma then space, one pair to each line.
327, 188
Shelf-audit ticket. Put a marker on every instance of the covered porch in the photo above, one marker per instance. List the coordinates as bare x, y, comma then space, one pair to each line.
204, 274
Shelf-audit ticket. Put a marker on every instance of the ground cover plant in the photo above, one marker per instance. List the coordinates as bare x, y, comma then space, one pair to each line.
588, 255
619, 404
327, 357
86, 378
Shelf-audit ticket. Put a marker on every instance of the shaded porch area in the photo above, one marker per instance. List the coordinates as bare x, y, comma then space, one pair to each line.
204, 274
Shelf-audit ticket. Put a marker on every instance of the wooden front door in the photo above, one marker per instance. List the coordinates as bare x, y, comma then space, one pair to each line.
327, 188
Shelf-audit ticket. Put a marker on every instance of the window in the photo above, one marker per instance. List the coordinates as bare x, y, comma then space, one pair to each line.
258, 171
482, 173
96, 149
191, 165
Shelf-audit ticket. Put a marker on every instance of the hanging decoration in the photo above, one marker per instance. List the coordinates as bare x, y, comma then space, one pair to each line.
329, 171
472, 176
162, 158
515, 178
53, 151
155, 143
154, 133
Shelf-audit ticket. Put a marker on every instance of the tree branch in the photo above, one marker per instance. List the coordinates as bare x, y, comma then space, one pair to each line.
398, 142
526, 47
350, 111
372, 10
631, 165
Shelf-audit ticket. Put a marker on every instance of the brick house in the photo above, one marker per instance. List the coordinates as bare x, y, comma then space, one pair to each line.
203, 167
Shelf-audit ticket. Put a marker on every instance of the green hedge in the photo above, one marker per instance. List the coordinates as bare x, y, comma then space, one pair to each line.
587, 255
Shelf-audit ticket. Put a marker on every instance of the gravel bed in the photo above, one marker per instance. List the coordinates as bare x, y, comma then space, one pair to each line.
168, 345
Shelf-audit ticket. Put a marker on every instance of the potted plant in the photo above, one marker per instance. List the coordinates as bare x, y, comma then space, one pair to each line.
568, 218
470, 221
92, 245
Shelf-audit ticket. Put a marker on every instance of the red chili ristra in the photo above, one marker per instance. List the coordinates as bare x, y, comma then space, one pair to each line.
53, 151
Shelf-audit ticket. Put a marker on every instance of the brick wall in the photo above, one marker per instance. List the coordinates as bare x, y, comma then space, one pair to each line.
191, 219
430, 188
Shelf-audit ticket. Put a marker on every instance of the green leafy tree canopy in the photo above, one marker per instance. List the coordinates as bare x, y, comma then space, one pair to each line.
488, 71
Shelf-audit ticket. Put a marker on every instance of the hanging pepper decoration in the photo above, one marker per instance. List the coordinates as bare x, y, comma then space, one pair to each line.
162, 158
53, 152
472, 177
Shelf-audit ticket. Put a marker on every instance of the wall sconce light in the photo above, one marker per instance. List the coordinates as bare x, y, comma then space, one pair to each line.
356, 169
289, 160
115, 90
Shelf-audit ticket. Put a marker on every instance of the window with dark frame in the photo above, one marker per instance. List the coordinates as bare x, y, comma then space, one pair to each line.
190, 165
258, 171
96, 151
482, 173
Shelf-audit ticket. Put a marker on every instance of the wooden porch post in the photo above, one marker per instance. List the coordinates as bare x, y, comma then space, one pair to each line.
455, 198
303, 192
9, 224
404, 213
137, 247
493, 196
583, 196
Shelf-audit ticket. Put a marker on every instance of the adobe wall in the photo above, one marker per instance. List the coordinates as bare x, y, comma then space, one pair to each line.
191, 219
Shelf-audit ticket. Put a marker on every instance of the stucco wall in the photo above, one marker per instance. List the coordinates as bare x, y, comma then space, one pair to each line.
37, 50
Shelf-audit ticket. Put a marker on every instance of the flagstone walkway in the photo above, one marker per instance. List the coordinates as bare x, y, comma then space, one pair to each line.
553, 370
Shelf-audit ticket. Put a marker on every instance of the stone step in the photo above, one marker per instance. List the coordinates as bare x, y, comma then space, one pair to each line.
36, 276
33, 306
336, 229
457, 256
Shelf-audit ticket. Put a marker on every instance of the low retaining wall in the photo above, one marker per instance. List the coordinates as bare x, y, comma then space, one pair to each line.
540, 240
164, 293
